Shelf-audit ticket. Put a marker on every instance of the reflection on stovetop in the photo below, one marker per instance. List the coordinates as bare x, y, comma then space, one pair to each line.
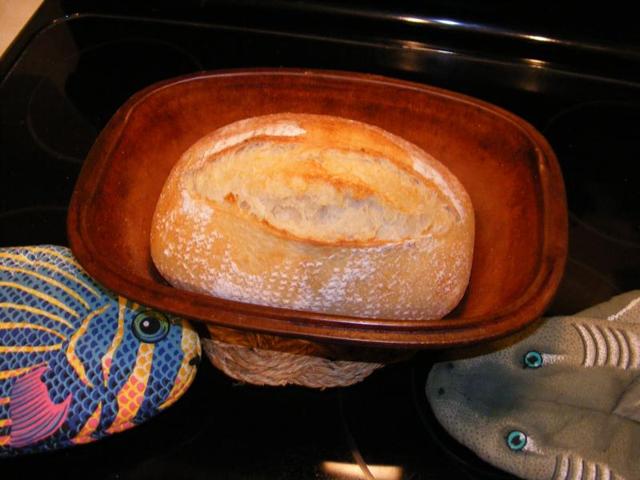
64, 116
72, 78
598, 144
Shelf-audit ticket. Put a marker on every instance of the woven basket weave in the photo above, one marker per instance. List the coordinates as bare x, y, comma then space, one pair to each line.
262, 359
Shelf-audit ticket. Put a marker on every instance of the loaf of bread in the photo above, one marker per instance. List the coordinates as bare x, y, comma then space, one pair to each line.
316, 213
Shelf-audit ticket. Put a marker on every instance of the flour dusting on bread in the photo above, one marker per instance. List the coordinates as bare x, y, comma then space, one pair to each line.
315, 213
279, 129
195, 209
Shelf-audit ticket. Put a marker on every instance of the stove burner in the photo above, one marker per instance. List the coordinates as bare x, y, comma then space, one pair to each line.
70, 137
598, 145
68, 108
390, 430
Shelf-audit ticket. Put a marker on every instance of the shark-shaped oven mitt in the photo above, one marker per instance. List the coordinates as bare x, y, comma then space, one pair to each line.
78, 362
561, 403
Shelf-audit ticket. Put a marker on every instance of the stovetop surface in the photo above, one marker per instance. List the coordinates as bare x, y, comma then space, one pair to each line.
64, 81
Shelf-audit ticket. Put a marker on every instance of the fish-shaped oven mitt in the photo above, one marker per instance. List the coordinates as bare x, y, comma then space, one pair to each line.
561, 403
78, 362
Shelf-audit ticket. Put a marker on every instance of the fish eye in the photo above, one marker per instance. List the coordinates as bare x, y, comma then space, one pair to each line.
532, 359
516, 440
150, 327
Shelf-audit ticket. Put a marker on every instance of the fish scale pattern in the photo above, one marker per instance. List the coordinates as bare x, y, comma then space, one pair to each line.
161, 380
91, 348
58, 265
131, 396
26, 336
52, 313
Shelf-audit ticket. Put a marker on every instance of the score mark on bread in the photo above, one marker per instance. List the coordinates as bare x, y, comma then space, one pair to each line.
315, 213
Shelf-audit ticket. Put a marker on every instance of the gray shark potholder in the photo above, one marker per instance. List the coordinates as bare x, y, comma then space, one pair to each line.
561, 403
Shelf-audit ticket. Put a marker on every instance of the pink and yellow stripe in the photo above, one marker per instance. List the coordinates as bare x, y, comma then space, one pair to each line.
131, 394
90, 426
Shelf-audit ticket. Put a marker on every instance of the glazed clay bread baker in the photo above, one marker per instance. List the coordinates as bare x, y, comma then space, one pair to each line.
316, 213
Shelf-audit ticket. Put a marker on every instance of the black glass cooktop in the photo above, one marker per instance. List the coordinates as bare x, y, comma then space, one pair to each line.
77, 62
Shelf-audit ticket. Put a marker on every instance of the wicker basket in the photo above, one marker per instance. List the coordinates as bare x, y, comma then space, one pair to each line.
262, 359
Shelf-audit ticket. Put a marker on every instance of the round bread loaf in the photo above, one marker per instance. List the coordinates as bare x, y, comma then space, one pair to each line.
317, 213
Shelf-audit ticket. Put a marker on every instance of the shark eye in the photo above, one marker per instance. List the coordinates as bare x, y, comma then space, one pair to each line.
532, 359
516, 440
150, 327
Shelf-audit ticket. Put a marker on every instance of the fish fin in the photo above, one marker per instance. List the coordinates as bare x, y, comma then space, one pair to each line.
610, 308
629, 314
629, 404
34, 416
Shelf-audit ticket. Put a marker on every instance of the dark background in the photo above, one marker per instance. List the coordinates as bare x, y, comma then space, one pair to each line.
572, 71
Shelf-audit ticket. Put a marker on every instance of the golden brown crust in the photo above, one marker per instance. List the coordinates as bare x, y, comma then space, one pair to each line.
315, 213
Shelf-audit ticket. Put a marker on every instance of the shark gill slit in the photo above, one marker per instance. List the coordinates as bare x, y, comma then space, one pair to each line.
597, 342
567, 468
581, 468
633, 349
571, 471
616, 347
563, 472
607, 355
53, 268
556, 466
608, 473
73, 359
599, 472
107, 358
586, 345
42, 296
50, 281
623, 341
588, 470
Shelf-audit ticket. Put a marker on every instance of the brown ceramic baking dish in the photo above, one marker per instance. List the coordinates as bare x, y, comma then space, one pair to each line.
507, 167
